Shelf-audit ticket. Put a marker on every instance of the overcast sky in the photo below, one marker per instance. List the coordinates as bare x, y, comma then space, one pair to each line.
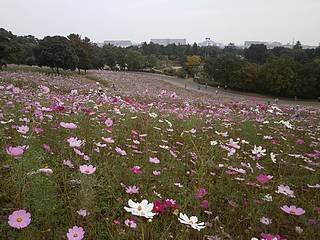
140, 20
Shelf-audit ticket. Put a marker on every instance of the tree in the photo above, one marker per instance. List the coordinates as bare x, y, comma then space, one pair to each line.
192, 64
222, 67
56, 52
308, 80
279, 76
256, 53
84, 51
298, 45
134, 60
245, 77
6, 46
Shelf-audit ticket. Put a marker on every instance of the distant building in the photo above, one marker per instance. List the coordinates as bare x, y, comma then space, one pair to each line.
165, 42
273, 45
118, 43
210, 43
247, 44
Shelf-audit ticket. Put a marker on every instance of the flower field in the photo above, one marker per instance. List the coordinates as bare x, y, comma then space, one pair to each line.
130, 158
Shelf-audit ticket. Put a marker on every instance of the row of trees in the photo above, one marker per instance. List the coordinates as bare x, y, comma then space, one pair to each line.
279, 75
72, 52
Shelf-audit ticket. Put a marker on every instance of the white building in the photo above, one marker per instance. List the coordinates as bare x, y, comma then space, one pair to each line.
210, 43
167, 41
118, 43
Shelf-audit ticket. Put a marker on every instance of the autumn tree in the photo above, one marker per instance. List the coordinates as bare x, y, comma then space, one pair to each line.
192, 64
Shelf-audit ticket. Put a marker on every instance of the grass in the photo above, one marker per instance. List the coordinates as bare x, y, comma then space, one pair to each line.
235, 200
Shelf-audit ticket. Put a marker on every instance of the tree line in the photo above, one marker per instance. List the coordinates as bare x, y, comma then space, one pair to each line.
279, 71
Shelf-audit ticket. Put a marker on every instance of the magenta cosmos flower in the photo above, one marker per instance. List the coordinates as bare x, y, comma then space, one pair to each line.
19, 219
68, 125
75, 233
201, 192
15, 151
293, 210
263, 179
87, 169
136, 170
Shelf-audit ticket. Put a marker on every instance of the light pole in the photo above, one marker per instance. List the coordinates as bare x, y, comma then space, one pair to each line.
207, 56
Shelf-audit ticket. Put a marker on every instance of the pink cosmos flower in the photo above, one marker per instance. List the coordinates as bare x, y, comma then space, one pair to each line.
16, 151
173, 95
78, 152
23, 129
87, 169
132, 189
46, 147
156, 173
75, 233
204, 204
44, 89
108, 139
75, 142
68, 125
300, 141
38, 130
154, 160
120, 151
68, 163
263, 179
266, 236
136, 170
108, 122
293, 210
116, 222
19, 219
201, 192
130, 223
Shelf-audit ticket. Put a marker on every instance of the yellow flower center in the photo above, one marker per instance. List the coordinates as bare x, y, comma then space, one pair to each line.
190, 222
139, 208
19, 219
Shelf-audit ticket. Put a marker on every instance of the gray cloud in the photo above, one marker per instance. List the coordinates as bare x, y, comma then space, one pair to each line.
139, 20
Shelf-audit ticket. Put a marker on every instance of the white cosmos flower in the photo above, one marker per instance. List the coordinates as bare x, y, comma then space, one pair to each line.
258, 151
213, 143
142, 209
285, 190
273, 157
153, 115
287, 124
267, 198
233, 144
192, 221
265, 220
